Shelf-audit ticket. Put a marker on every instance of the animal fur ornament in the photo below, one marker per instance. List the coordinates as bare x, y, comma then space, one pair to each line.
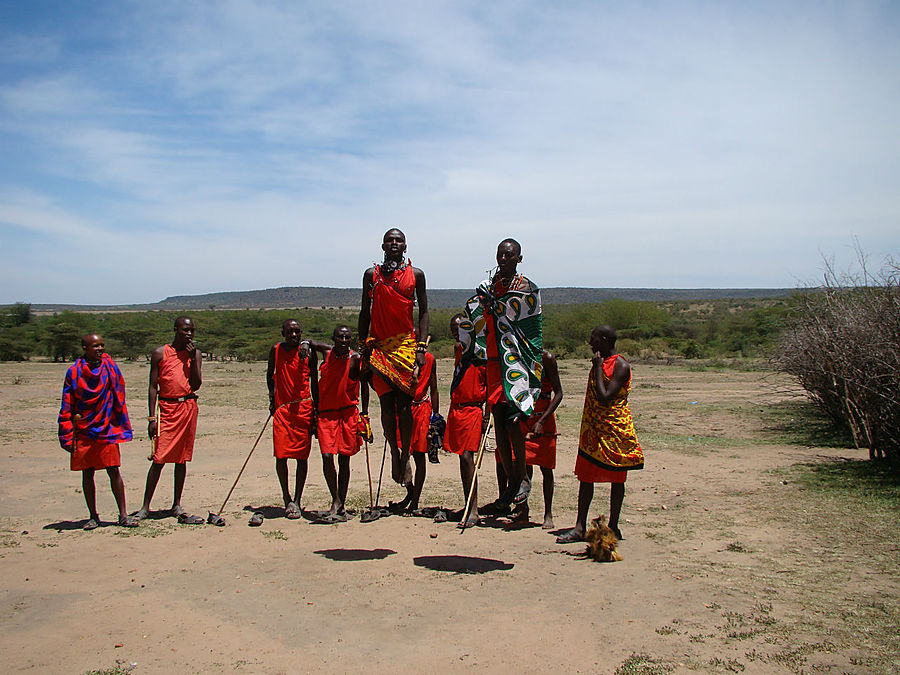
601, 542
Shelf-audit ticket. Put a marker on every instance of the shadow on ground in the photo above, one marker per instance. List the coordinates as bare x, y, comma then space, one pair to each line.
355, 554
461, 564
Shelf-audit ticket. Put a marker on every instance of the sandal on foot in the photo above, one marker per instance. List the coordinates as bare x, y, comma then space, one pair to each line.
90, 524
256, 519
330, 519
570, 537
128, 521
440, 517
292, 511
215, 519
188, 519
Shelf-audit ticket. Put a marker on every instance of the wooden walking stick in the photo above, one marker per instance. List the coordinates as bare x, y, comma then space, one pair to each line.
216, 518
478, 458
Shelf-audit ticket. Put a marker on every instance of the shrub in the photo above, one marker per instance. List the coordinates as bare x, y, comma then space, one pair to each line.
843, 345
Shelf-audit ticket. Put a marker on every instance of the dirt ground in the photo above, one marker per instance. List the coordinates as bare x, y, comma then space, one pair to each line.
731, 563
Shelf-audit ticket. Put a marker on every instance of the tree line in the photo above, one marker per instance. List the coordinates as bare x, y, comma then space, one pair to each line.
647, 330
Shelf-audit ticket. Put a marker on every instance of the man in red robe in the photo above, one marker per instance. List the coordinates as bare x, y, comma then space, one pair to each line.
338, 416
466, 419
291, 381
392, 349
93, 420
175, 378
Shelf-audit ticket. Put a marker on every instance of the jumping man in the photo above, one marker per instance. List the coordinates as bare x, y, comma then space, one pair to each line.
391, 347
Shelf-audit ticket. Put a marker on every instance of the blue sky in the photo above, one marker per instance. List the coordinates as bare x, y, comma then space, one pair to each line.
163, 148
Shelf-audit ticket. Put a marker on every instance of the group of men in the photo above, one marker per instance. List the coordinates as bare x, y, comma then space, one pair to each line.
502, 377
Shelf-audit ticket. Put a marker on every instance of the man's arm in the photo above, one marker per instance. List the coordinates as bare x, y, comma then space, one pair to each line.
312, 362
194, 378
433, 385
607, 391
551, 372
153, 390
365, 306
422, 301
270, 379
320, 347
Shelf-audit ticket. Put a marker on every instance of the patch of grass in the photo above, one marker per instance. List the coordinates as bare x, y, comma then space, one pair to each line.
737, 547
800, 422
873, 482
690, 444
274, 534
118, 669
667, 630
643, 664
730, 665
147, 528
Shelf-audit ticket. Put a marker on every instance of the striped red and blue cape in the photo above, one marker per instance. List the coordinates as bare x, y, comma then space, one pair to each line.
97, 393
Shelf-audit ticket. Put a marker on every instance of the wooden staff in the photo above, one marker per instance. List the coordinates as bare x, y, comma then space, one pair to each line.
478, 458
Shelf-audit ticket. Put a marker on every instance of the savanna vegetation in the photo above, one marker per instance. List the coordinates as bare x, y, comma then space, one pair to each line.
647, 330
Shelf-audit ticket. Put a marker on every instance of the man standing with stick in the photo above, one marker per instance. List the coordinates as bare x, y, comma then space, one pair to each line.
391, 347
93, 420
174, 379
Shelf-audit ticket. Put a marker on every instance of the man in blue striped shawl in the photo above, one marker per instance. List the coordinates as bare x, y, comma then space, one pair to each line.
504, 326
93, 420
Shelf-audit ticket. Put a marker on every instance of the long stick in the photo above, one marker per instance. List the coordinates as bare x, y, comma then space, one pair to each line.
381, 472
228, 496
369, 471
478, 458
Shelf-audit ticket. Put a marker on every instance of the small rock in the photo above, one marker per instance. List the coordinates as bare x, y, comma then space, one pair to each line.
433, 535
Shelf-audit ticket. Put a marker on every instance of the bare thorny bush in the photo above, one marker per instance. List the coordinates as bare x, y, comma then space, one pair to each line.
843, 345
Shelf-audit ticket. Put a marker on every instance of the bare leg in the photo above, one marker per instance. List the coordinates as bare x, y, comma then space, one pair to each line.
547, 479
502, 481
281, 470
389, 428
467, 474
90, 493
585, 495
118, 489
180, 475
300, 479
343, 479
152, 479
504, 449
616, 497
420, 459
331, 482
405, 421
519, 479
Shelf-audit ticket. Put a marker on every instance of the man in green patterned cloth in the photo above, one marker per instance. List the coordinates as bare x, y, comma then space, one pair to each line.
504, 326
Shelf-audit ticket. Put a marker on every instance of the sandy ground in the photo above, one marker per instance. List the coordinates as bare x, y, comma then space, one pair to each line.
729, 564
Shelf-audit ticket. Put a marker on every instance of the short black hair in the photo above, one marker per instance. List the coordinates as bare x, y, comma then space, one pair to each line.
394, 229
182, 319
512, 241
608, 332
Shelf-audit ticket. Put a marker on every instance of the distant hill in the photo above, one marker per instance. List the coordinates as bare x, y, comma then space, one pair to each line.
317, 296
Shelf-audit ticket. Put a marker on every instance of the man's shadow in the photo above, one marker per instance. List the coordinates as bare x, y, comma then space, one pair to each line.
461, 564
355, 554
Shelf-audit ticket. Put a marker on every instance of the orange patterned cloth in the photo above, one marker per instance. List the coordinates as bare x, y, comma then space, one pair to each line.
607, 440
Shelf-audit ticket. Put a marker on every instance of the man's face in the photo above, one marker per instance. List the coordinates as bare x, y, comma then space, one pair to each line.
292, 333
93, 348
508, 256
342, 338
184, 331
596, 341
394, 244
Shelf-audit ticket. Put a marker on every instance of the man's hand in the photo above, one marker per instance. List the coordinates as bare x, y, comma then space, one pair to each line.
420, 359
536, 430
151, 429
271, 404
